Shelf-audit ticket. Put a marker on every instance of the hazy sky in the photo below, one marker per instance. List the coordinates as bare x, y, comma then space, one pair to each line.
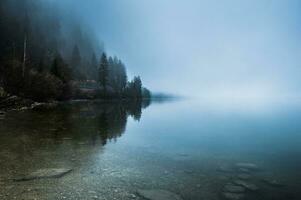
202, 47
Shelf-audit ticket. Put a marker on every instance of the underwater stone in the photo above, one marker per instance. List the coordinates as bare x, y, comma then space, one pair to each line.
273, 182
234, 188
224, 169
249, 166
45, 173
248, 186
233, 196
158, 195
244, 176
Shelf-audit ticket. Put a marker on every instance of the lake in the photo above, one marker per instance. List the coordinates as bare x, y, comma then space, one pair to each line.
191, 148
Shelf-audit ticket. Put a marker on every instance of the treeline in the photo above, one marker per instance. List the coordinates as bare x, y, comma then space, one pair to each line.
45, 55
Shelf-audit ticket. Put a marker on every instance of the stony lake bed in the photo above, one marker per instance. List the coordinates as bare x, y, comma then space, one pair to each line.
165, 151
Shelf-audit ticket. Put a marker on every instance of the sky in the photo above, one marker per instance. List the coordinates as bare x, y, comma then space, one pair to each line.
246, 48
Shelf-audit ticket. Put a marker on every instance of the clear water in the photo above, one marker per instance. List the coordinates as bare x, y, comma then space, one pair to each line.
187, 147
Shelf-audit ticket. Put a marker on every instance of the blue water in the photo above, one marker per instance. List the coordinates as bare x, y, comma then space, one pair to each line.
179, 146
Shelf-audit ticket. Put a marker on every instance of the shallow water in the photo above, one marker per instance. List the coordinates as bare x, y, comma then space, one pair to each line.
187, 147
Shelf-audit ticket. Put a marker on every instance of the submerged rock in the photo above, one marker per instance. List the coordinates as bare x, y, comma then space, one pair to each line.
233, 196
248, 186
45, 173
244, 176
233, 188
224, 169
244, 170
158, 195
249, 166
273, 182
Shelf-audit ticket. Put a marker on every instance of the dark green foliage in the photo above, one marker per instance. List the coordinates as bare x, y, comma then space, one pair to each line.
11, 76
92, 73
117, 76
103, 72
146, 94
53, 64
76, 62
60, 69
76, 58
43, 87
134, 88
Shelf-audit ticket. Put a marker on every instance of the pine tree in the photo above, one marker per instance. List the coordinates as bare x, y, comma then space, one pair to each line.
76, 57
93, 68
137, 87
76, 62
103, 72
60, 69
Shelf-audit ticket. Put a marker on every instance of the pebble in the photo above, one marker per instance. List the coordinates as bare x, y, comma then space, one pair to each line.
244, 170
233, 196
244, 176
231, 188
249, 166
273, 182
248, 186
225, 169
45, 173
158, 194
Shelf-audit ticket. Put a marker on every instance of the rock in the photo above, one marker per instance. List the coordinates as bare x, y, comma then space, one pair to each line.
230, 188
132, 196
43, 106
248, 186
249, 166
244, 170
233, 196
224, 169
244, 176
14, 103
45, 173
273, 182
188, 171
158, 195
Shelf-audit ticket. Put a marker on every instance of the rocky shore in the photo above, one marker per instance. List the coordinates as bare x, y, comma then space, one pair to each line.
11, 102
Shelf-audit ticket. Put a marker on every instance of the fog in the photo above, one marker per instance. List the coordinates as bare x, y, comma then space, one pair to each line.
234, 48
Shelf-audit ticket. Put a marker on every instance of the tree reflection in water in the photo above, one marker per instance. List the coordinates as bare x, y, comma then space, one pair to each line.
103, 121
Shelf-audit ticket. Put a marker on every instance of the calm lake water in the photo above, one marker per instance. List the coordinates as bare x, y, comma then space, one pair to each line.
187, 147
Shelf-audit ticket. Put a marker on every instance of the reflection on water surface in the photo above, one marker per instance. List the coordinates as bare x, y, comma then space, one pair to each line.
117, 148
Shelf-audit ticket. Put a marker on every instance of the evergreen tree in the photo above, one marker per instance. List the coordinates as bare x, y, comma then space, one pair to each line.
137, 87
103, 72
60, 69
76, 63
122, 76
76, 57
93, 67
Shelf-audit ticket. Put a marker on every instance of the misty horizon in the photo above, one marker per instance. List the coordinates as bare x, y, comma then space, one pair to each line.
150, 99
208, 46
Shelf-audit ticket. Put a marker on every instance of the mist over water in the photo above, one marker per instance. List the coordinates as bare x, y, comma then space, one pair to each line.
187, 147
198, 47
232, 132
